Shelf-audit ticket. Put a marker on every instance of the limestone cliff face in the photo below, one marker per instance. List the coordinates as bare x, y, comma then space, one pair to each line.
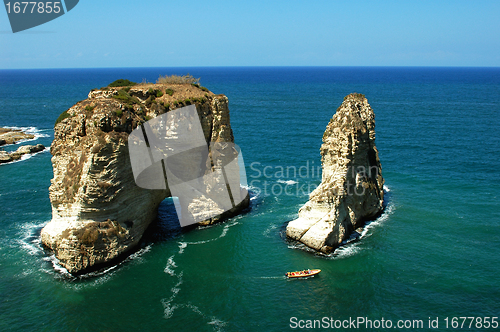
351, 190
98, 211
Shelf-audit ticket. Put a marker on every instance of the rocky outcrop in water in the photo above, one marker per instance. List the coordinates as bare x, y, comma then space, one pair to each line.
351, 190
6, 157
12, 136
98, 211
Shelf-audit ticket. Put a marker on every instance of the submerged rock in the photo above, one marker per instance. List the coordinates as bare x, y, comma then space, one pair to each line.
351, 190
98, 211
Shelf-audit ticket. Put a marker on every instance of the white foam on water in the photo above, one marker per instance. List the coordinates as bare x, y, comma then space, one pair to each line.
298, 279
301, 246
168, 308
346, 251
139, 253
253, 191
179, 279
175, 290
182, 245
287, 182
31, 131
268, 230
194, 308
352, 246
29, 241
58, 271
33, 247
57, 267
27, 156
389, 210
225, 229
169, 268
104, 274
217, 322
223, 234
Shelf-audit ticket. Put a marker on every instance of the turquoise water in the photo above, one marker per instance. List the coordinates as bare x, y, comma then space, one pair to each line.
435, 252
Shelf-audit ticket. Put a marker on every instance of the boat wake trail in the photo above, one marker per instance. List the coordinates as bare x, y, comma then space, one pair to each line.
171, 268
169, 307
183, 245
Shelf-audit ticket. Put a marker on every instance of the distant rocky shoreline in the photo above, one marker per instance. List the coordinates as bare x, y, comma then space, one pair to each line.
12, 136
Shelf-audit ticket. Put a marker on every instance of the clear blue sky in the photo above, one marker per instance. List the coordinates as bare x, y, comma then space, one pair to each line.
165, 33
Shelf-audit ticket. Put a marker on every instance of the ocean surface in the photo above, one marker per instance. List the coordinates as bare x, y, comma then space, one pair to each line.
434, 253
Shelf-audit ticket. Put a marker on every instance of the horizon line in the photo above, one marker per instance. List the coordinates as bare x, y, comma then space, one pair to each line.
253, 66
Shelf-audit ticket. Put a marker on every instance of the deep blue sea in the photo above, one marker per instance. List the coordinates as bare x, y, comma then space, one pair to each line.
434, 253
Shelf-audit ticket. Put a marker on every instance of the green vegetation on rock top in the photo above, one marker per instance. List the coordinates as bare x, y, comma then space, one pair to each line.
64, 115
126, 98
121, 82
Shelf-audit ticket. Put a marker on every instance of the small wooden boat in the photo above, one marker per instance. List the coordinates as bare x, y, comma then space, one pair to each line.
302, 274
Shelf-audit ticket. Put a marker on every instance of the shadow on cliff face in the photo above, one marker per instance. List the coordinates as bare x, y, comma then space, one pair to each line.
166, 226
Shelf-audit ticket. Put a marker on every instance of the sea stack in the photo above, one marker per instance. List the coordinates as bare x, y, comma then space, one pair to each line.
351, 190
98, 211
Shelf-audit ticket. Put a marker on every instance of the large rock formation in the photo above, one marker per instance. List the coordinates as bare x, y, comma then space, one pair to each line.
351, 190
98, 211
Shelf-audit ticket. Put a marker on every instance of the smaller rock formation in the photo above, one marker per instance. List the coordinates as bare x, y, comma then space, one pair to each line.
6, 157
12, 136
351, 190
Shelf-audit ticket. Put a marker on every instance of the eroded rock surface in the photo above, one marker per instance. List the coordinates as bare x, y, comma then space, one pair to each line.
12, 136
6, 157
351, 190
98, 211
